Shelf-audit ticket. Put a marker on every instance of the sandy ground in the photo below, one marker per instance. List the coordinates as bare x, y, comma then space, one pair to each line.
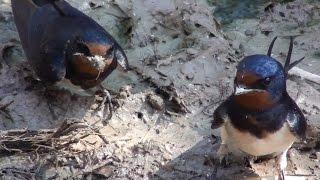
183, 66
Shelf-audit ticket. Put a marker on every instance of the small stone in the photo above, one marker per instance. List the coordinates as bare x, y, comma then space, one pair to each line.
99, 98
266, 29
190, 76
95, 106
318, 155
155, 102
104, 172
192, 51
167, 156
250, 32
125, 92
123, 95
313, 156
282, 14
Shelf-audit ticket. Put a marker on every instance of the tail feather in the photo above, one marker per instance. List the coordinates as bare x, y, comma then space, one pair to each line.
288, 65
22, 12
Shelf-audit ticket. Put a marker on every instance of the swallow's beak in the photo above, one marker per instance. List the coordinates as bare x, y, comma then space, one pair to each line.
239, 90
122, 59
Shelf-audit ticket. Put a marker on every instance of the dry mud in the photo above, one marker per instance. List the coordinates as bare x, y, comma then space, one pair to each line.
183, 63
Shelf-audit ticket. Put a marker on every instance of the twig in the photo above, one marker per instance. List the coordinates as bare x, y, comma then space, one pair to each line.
305, 75
43, 141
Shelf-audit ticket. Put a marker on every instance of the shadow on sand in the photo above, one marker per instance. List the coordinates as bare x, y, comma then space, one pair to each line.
199, 162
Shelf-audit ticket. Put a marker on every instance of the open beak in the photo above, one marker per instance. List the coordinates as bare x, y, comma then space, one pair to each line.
122, 59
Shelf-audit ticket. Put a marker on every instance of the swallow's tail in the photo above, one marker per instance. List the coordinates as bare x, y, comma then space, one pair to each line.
288, 65
22, 13
271, 46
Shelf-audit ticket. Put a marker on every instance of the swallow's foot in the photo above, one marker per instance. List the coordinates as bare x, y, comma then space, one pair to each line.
106, 99
249, 161
224, 155
225, 160
281, 175
281, 161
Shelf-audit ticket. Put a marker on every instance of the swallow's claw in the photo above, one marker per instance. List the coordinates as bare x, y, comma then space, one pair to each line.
224, 155
281, 165
281, 175
225, 160
249, 161
106, 99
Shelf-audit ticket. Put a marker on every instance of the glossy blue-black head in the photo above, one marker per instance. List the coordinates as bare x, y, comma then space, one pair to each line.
94, 41
260, 74
91, 53
261, 80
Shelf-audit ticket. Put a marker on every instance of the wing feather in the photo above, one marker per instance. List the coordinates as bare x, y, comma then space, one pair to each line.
296, 121
220, 115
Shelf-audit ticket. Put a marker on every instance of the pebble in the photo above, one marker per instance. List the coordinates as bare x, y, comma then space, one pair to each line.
192, 51
318, 155
250, 32
155, 101
190, 76
122, 95
104, 172
313, 156
125, 92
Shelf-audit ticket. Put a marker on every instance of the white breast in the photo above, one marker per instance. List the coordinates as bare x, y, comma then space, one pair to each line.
277, 142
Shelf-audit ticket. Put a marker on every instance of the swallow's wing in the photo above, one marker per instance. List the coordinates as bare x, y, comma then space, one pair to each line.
220, 115
296, 120
66, 9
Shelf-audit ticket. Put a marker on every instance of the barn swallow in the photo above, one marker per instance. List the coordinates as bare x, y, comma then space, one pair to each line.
260, 119
65, 46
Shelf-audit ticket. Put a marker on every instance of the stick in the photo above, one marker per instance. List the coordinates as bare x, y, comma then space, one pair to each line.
305, 75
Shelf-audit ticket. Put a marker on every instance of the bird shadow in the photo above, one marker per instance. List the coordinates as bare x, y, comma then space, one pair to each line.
200, 162
24, 104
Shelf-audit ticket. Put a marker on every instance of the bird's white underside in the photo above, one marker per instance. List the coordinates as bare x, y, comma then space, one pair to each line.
275, 143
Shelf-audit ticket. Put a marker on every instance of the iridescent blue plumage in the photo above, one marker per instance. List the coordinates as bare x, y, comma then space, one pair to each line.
263, 66
260, 118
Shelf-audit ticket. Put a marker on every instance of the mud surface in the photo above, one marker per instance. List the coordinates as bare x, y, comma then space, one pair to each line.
183, 64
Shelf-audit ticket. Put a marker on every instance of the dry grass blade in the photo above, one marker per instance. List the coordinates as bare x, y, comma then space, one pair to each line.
42, 141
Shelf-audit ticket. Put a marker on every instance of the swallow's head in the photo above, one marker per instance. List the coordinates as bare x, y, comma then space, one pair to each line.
260, 82
91, 60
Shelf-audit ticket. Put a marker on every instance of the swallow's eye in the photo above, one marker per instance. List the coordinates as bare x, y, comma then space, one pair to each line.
267, 81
